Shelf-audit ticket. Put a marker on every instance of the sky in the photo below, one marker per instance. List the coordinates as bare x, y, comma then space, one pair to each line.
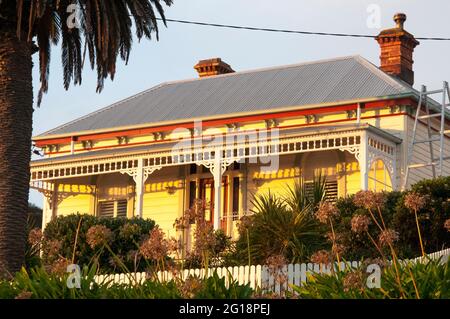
181, 46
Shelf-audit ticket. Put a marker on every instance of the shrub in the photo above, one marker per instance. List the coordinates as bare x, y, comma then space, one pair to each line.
431, 218
274, 229
62, 232
359, 245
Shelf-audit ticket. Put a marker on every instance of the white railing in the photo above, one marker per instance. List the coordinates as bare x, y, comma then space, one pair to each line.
259, 276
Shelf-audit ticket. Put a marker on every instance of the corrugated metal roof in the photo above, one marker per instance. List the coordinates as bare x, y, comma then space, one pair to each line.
340, 79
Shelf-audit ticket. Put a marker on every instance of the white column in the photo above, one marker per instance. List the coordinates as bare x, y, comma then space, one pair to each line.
217, 172
363, 161
139, 180
46, 213
49, 210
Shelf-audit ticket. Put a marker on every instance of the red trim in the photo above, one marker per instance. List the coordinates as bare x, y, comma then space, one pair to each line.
243, 132
209, 123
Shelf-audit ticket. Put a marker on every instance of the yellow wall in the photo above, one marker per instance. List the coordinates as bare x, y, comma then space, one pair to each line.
83, 204
160, 205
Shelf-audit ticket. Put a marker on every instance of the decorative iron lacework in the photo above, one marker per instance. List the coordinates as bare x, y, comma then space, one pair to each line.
346, 140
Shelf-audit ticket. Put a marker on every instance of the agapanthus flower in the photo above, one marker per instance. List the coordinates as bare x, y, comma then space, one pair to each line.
447, 224
321, 257
98, 235
415, 201
326, 211
353, 281
128, 231
388, 237
35, 236
360, 223
369, 199
156, 246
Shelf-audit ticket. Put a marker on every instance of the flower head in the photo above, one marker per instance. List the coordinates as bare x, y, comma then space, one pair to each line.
326, 211
360, 223
415, 201
52, 248
244, 223
369, 199
24, 295
338, 249
276, 264
98, 235
276, 261
321, 257
35, 236
155, 246
353, 281
190, 287
193, 215
205, 239
128, 231
59, 267
388, 237
447, 224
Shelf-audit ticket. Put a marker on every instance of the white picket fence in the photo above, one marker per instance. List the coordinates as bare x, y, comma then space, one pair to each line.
259, 276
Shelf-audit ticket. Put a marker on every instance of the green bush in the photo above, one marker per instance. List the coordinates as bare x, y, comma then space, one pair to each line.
359, 245
276, 229
401, 219
64, 230
431, 218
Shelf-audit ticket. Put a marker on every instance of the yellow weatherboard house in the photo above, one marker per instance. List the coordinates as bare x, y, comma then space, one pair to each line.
229, 135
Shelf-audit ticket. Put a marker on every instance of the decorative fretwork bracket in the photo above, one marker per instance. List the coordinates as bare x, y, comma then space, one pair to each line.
354, 150
147, 171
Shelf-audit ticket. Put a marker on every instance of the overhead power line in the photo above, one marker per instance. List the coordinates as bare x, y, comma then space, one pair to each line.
228, 26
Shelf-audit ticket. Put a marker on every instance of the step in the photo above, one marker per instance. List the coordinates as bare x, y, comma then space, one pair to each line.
433, 92
421, 165
436, 139
446, 158
429, 116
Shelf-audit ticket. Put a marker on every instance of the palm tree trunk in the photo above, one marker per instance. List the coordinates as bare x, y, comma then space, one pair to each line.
16, 110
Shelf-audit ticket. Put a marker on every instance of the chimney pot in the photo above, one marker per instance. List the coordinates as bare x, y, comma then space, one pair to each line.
212, 67
397, 48
400, 19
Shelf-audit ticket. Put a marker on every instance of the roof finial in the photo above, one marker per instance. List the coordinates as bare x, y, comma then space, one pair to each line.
400, 19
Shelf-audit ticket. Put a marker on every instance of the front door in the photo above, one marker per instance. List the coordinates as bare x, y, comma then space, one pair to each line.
207, 196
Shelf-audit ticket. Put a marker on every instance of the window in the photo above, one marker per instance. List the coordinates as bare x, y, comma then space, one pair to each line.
379, 177
113, 208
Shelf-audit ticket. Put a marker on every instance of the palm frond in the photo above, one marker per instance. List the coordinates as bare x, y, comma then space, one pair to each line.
105, 31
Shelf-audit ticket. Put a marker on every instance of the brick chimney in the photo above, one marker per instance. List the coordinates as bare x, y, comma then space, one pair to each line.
212, 67
397, 47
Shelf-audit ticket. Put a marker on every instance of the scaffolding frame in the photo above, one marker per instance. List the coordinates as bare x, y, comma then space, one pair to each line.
436, 163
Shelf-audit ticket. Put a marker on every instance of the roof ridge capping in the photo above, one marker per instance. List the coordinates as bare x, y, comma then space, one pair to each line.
264, 69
